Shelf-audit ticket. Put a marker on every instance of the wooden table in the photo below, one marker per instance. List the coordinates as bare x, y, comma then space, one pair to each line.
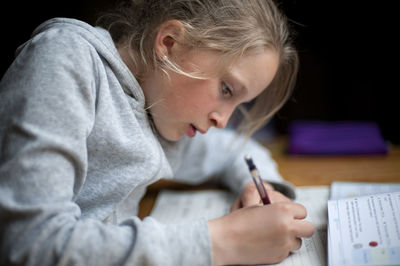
308, 171
323, 170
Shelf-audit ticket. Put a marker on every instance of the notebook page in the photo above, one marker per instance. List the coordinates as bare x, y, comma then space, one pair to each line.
174, 206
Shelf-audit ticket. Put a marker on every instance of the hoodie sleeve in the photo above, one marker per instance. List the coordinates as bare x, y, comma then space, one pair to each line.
220, 154
47, 110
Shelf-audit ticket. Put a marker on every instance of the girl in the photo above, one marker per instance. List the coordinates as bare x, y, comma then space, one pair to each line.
90, 116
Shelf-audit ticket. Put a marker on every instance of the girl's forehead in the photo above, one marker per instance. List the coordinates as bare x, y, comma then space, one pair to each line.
255, 68
228, 62
256, 71
210, 63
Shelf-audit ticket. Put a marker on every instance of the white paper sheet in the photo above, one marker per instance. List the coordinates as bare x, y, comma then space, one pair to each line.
341, 190
173, 206
365, 230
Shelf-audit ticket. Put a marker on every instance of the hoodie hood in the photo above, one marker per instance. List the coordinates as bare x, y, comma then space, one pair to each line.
102, 41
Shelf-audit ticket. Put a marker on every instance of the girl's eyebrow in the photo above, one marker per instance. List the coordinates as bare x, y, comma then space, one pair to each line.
240, 85
242, 90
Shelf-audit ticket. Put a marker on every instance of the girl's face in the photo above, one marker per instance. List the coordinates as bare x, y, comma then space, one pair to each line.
182, 106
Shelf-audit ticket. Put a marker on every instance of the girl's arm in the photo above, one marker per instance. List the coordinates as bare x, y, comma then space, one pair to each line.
47, 110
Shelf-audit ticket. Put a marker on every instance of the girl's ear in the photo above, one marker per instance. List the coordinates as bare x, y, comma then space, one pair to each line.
168, 37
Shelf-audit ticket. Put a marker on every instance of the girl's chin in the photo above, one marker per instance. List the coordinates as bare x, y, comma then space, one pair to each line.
177, 135
171, 136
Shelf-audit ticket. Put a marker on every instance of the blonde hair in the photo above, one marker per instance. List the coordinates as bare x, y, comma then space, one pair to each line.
231, 27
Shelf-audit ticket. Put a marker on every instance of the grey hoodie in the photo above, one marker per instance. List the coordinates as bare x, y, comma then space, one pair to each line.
77, 152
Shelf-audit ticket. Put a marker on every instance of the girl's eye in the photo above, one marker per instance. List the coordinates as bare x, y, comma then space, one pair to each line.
226, 91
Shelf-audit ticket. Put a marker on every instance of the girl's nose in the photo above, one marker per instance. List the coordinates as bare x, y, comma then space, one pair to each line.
219, 120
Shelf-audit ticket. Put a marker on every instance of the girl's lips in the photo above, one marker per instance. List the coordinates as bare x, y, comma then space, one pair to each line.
191, 132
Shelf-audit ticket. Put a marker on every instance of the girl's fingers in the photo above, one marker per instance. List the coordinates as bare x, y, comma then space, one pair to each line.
303, 228
249, 199
236, 205
268, 186
276, 196
299, 211
297, 244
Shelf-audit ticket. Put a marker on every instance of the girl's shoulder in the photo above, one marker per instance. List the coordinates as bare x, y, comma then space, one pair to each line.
63, 35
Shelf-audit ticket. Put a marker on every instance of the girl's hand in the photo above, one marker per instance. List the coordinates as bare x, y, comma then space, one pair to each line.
259, 234
250, 196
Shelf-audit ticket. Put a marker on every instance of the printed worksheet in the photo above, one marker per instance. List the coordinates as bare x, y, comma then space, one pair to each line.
174, 206
365, 230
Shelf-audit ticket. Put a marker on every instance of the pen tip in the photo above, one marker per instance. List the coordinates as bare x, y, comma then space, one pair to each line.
249, 162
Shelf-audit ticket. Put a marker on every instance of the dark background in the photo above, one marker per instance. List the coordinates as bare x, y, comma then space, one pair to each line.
348, 55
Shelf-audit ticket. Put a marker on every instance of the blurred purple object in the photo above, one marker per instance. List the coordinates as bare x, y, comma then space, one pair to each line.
335, 138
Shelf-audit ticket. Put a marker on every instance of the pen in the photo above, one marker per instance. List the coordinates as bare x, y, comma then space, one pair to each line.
257, 180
